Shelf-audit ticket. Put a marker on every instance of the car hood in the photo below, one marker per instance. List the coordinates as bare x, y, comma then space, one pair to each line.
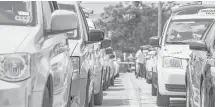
12, 37
179, 51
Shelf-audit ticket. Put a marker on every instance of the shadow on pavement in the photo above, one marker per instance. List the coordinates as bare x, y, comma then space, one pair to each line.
114, 102
115, 89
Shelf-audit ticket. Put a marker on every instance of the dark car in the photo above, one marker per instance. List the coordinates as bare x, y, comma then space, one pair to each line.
200, 77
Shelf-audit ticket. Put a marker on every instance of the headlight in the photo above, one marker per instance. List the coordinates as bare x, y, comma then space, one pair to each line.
14, 67
172, 62
75, 63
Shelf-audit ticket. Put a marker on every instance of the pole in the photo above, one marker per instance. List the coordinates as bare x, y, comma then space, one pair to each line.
159, 18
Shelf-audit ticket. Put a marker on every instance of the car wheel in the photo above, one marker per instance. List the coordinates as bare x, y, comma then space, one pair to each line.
149, 81
105, 82
112, 81
87, 91
98, 98
206, 98
188, 103
47, 101
108, 82
162, 100
69, 98
91, 103
117, 75
154, 90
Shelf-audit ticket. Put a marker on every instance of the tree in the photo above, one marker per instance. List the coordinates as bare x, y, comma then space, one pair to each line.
132, 23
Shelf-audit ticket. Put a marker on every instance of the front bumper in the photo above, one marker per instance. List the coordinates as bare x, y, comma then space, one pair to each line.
15, 94
171, 81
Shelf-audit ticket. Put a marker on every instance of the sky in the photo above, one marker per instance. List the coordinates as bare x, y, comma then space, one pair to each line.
98, 6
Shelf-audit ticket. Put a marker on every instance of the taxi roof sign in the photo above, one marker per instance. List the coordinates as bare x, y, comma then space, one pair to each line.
207, 11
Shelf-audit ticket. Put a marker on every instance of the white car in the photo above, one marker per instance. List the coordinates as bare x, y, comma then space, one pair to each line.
82, 54
182, 27
35, 67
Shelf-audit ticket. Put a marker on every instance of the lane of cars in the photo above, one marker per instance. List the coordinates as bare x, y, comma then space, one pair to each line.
52, 57
183, 65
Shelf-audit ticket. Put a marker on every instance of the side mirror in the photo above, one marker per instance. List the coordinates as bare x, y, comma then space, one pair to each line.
95, 35
106, 43
109, 51
63, 21
154, 41
198, 45
112, 56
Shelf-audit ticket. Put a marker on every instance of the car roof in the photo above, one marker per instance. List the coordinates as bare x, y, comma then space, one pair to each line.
67, 2
194, 16
192, 7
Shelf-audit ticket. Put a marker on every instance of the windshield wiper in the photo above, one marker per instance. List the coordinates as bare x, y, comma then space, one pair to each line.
178, 42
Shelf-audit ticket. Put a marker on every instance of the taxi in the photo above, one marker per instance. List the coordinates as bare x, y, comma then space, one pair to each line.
184, 26
81, 43
200, 76
35, 67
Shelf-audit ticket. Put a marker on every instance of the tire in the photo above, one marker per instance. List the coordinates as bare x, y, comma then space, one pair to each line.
112, 81
188, 103
98, 98
207, 98
91, 103
69, 98
117, 75
149, 81
154, 90
87, 91
109, 80
105, 83
162, 100
47, 101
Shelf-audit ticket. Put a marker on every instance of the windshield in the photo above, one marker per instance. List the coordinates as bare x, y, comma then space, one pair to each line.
183, 31
16, 13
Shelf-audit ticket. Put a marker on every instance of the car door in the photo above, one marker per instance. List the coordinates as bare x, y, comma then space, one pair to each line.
200, 58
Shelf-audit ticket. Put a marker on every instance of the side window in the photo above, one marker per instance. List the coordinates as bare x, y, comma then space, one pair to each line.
47, 12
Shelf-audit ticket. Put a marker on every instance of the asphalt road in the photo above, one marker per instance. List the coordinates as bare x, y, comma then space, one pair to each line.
131, 92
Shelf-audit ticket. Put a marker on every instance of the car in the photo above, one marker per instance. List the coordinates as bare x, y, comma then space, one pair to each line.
117, 66
181, 28
149, 65
35, 66
81, 42
200, 75
98, 80
111, 67
106, 43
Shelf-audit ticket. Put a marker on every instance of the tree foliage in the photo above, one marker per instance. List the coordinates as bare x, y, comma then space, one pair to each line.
131, 24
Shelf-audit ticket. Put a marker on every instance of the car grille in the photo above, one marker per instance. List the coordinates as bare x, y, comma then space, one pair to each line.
175, 88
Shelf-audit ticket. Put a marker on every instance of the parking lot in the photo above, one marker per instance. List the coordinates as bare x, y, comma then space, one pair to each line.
107, 54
